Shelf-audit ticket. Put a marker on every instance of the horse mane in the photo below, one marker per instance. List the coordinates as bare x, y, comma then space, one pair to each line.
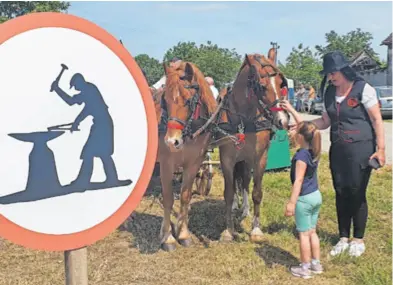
207, 97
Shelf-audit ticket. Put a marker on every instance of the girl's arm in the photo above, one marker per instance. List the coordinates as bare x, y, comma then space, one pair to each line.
301, 167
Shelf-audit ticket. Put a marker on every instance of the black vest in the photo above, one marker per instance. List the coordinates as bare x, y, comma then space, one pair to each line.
350, 121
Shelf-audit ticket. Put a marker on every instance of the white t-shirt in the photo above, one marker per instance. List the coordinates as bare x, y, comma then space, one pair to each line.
160, 82
369, 97
214, 90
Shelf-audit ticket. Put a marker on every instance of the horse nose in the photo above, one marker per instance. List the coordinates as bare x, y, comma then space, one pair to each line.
175, 142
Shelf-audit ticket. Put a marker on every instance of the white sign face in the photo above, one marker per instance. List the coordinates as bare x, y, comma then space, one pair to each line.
70, 157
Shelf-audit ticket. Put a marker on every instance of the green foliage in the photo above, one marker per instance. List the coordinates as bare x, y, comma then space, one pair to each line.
302, 66
221, 64
151, 66
349, 44
13, 9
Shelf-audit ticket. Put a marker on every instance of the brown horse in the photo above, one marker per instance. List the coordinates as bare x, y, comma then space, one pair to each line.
188, 102
251, 110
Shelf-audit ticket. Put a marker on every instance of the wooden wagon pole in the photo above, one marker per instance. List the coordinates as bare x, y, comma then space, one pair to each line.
76, 266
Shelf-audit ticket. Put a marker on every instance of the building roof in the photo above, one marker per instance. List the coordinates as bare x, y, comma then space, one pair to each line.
387, 41
362, 60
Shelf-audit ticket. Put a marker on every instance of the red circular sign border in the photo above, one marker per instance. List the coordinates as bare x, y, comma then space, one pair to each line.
51, 242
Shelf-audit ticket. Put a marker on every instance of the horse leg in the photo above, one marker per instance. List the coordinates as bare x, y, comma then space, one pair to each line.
237, 185
242, 178
168, 242
257, 195
245, 191
183, 234
228, 171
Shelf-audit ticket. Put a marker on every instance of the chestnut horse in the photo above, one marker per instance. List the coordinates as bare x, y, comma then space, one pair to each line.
188, 102
251, 110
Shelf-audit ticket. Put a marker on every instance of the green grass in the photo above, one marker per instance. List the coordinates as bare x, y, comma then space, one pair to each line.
131, 254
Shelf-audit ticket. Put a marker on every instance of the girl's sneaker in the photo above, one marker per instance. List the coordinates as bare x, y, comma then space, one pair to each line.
316, 268
339, 248
301, 271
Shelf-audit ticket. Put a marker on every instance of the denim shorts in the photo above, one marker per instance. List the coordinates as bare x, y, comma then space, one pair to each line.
307, 211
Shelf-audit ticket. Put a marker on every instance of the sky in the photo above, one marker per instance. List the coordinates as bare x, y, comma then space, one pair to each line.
248, 27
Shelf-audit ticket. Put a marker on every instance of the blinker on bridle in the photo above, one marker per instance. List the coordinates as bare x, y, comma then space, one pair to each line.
192, 104
258, 87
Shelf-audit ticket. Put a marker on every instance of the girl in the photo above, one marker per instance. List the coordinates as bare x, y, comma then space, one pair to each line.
306, 199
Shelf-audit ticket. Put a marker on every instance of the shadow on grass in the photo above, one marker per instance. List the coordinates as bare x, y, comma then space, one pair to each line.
324, 236
207, 219
145, 229
206, 222
272, 255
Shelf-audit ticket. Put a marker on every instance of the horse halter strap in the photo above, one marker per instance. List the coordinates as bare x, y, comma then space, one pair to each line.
194, 105
257, 87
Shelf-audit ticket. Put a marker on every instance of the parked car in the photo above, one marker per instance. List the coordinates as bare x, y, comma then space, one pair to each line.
316, 106
384, 94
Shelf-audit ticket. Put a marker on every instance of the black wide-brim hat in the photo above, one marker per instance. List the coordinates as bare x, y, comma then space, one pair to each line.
333, 61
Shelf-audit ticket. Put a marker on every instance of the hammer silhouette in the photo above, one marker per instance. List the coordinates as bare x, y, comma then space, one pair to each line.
63, 67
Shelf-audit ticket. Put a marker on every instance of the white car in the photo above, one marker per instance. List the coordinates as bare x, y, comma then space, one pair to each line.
384, 94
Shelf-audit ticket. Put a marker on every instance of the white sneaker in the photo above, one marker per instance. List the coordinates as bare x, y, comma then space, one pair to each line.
356, 249
339, 248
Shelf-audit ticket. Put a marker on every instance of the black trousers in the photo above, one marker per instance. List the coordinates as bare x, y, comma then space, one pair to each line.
351, 174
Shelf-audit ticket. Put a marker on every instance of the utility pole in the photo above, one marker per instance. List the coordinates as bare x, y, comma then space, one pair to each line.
276, 47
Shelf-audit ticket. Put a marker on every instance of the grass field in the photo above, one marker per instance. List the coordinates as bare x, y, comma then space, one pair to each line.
131, 254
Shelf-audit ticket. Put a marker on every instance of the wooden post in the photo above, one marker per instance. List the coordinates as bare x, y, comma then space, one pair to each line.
76, 266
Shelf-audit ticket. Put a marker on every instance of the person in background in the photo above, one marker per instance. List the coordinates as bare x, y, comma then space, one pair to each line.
210, 81
311, 96
299, 97
352, 112
159, 85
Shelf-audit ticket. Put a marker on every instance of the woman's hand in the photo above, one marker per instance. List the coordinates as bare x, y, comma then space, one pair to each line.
287, 106
380, 155
290, 209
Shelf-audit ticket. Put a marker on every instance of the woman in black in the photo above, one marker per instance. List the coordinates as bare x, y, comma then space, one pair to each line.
352, 112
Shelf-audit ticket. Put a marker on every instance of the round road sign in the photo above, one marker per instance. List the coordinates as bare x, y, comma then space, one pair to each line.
78, 132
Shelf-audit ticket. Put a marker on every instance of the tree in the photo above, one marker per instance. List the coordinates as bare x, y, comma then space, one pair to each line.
349, 44
153, 68
302, 66
221, 64
13, 9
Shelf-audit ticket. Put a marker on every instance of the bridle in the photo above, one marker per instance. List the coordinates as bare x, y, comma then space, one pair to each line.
257, 88
194, 103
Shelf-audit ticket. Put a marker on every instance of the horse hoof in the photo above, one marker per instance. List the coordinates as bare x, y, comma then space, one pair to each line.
168, 247
226, 236
256, 235
186, 242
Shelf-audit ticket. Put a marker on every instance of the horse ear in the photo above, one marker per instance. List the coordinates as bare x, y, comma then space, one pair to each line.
165, 68
189, 72
247, 58
272, 55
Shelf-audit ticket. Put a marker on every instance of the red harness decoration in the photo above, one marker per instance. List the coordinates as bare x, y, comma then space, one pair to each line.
276, 109
175, 125
241, 137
